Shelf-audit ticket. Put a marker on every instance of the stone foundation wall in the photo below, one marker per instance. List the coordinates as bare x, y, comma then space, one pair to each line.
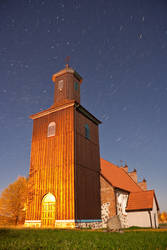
92, 224
65, 224
32, 223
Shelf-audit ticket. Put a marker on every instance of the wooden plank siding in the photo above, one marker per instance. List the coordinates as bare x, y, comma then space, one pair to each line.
87, 170
68, 92
52, 165
66, 164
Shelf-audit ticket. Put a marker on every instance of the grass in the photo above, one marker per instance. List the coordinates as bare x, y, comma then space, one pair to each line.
21, 239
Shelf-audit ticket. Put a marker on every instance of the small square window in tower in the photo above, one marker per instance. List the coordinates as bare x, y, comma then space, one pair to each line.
87, 131
76, 86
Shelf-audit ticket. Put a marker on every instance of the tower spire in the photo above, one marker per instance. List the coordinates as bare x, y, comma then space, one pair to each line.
67, 61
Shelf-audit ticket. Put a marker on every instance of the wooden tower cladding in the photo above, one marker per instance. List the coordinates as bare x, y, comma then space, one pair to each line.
64, 180
87, 167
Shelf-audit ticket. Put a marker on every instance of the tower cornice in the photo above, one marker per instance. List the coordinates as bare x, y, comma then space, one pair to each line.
67, 70
56, 108
52, 109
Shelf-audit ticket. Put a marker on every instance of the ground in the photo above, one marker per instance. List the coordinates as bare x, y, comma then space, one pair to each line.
21, 239
163, 225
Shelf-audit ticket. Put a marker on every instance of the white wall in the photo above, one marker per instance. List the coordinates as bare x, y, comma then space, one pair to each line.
154, 215
142, 218
139, 219
122, 198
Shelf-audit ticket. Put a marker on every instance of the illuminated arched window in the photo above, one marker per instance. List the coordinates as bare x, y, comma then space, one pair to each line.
48, 210
87, 131
51, 129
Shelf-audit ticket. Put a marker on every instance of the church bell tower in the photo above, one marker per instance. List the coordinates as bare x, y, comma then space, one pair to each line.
67, 85
64, 176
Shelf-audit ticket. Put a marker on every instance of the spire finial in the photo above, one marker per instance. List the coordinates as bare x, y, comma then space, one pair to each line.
67, 61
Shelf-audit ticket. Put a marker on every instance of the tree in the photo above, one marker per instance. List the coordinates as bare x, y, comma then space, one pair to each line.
13, 202
164, 216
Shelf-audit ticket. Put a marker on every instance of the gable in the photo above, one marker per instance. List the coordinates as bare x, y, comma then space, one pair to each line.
118, 177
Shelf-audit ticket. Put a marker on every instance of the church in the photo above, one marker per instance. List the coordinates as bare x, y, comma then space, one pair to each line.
69, 185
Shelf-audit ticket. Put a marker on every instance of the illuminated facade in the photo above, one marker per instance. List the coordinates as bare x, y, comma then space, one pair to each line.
64, 177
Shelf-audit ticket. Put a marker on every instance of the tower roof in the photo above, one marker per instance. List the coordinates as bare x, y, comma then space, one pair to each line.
67, 69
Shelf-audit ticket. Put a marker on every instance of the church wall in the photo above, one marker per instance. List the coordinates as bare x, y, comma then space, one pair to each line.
143, 185
148, 218
139, 219
87, 150
87, 202
52, 165
154, 215
121, 202
87, 170
108, 206
133, 175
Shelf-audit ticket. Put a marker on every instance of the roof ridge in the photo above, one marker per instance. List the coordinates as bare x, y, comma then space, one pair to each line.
110, 162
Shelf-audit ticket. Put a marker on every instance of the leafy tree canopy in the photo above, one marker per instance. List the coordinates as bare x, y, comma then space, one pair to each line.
13, 202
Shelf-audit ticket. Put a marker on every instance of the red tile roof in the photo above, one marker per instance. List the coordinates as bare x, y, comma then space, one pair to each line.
118, 177
141, 200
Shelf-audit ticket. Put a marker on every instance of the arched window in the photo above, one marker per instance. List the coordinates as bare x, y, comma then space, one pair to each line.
48, 210
51, 129
87, 131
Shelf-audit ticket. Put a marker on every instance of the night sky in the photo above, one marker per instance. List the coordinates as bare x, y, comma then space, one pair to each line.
119, 48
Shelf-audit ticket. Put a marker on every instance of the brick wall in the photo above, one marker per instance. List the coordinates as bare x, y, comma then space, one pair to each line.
133, 175
143, 184
108, 197
125, 168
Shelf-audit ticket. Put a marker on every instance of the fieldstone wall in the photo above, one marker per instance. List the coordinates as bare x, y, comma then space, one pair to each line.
105, 213
92, 225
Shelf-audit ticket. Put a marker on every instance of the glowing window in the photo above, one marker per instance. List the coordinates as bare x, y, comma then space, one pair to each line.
87, 131
51, 129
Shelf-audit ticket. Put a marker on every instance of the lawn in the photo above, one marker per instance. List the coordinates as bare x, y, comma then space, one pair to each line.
74, 239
